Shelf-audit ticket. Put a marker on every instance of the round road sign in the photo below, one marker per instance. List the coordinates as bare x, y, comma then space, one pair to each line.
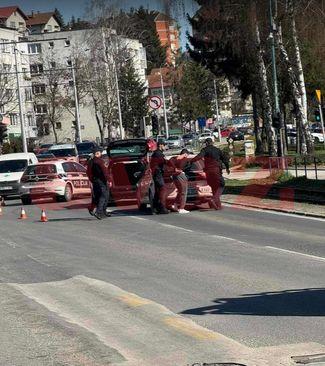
155, 102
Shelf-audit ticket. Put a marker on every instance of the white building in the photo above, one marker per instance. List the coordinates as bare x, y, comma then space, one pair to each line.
9, 106
43, 23
12, 17
57, 50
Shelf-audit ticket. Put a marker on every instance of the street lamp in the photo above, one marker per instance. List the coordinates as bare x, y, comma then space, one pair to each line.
164, 103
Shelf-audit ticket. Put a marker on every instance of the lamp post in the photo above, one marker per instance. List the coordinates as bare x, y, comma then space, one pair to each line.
217, 109
76, 101
21, 115
164, 102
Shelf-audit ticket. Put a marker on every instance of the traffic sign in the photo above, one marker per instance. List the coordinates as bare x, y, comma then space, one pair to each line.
319, 95
155, 102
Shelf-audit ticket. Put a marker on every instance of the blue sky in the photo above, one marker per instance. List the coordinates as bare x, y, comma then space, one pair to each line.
78, 8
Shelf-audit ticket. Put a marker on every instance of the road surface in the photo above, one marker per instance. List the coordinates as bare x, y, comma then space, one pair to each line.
234, 285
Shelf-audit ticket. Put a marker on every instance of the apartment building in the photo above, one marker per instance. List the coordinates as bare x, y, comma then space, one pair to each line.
168, 33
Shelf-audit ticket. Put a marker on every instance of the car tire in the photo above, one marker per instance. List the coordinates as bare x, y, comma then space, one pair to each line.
26, 200
142, 207
68, 193
317, 141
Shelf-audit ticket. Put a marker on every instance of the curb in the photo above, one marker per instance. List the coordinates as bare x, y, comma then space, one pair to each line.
293, 212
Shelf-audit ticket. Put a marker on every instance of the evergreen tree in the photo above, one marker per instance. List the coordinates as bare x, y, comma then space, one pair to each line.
133, 99
60, 18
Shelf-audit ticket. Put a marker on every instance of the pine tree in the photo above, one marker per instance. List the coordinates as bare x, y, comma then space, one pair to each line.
60, 18
133, 99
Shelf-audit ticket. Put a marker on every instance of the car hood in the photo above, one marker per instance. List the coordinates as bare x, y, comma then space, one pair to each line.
9, 177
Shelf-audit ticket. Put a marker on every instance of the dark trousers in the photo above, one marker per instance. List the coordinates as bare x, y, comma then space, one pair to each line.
181, 184
216, 182
100, 196
161, 193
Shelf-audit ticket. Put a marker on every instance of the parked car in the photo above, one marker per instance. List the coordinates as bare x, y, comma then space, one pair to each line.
12, 167
317, 134
203, 136
64, 151
189, 138
85, 149
42, 148
62, 180
175, 142
236, 136
225, 132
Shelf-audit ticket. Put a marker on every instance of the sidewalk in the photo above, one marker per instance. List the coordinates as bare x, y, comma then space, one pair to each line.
292, 207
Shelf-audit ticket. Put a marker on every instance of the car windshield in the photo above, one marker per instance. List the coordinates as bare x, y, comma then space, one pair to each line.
85, 147
41, 169
12, 166
206, 134
128, 150
189, 136
63, 152
172, 138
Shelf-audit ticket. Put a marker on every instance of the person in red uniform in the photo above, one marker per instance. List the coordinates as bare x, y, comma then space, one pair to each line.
180, 180
97, 173
213, 160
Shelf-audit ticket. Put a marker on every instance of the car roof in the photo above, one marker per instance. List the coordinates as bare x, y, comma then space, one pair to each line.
17, 156
62, 146
55, 162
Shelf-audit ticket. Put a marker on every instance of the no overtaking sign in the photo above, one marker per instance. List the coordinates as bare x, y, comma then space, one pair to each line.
155, 102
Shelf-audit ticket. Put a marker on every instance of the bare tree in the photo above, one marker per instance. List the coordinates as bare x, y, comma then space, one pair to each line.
8, 87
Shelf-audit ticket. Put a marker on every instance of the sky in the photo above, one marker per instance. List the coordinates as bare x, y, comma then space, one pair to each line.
78, 8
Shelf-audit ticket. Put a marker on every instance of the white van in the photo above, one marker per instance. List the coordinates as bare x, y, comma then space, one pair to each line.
12, 167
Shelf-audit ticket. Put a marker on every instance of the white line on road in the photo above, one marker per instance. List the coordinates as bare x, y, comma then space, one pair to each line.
38, 261
297, 253
177, 227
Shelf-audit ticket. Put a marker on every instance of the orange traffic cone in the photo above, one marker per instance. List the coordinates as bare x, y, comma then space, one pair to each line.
23, 215
43, 217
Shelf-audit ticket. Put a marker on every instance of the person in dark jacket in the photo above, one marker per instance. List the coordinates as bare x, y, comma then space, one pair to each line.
157, 165
97, 173
213, 160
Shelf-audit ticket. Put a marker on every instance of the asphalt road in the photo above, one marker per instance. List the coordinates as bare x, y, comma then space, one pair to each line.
254, 277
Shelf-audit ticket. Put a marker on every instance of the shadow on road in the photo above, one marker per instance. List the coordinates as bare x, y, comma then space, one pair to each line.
298, 302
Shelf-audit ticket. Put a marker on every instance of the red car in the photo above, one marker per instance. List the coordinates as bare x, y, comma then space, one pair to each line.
131, 177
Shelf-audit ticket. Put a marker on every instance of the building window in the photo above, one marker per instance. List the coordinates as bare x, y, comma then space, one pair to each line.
12, 24
5, 48
2, 108
58, 126
67, 43
40, 108
36, 69
38, 89
13, 119
51, 45
30, 120
34, 48
21, 24
69, 63
49, 28
28, 95
52, 65
56, 28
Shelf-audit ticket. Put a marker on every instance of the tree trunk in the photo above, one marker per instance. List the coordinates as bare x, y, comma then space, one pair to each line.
306, 142
101, 133
257, 132
265, 96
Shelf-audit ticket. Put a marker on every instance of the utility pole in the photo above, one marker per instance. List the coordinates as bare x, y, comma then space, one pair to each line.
76, 101
164, 102
21, 114
277, 112
217, 109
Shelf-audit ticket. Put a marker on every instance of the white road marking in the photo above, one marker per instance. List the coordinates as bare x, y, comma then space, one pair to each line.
10, 243
38, 261
177, 227
297, 253
275, 212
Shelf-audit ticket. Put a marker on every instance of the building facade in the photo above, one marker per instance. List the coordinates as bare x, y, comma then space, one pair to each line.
43, 23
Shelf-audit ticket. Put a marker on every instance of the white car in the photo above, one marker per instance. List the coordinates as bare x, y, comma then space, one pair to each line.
317, 134
206, 135
175, 142
12, 167
63, 180
64, 151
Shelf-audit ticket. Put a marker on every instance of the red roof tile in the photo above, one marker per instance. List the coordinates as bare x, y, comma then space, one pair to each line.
40, 18
6, 11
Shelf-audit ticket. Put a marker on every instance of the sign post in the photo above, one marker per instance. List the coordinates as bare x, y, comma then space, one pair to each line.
319, 98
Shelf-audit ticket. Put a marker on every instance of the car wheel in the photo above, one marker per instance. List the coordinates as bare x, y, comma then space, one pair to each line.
142, 207
67, 193
317, 141
26, 200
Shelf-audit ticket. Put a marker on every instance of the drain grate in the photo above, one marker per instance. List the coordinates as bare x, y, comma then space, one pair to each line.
311, 360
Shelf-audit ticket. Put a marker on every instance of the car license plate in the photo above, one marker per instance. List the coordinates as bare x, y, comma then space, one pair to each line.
7, 188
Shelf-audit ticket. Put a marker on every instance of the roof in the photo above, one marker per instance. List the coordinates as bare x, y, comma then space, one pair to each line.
154, 79
17, 156
62, 146
41, 18
161, 17
6, 11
